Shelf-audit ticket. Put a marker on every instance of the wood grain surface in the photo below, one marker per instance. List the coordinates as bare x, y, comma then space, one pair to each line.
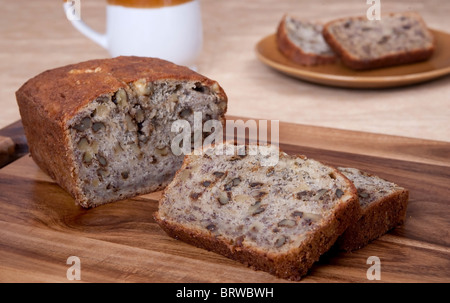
40, 225
36, 36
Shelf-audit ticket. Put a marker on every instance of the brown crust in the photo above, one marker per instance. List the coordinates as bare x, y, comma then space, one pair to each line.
386, 61
63, 91
376, 220
296, 54
291, 265
48, 101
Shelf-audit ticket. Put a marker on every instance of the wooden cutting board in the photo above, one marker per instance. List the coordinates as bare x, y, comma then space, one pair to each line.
41, 227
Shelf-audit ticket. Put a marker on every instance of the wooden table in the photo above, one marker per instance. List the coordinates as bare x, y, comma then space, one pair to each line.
41, 227
35, 36
401, 134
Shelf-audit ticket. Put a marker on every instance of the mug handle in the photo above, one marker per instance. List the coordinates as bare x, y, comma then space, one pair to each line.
72, 10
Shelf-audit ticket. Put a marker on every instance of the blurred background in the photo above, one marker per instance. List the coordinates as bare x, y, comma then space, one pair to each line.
35, 36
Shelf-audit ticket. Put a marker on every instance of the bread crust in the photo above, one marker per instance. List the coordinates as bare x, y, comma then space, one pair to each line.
296, 54
376, 220
292, 265
63, 91
355, 63
51, 99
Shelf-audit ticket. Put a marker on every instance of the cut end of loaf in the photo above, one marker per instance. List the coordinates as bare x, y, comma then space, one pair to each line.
122, 140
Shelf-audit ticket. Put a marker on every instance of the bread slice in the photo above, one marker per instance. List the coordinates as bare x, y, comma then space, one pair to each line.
102, 128
383, 206
302, 42
279, 218
398, 38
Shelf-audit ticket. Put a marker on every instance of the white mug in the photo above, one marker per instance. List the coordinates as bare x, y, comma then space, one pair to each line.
170, 30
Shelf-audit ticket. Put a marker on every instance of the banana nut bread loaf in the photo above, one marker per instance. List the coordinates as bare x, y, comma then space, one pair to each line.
398, 38
383, 206
279, 218
302, 42
102, 128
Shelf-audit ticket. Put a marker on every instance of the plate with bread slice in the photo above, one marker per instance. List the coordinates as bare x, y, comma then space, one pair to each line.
355, 52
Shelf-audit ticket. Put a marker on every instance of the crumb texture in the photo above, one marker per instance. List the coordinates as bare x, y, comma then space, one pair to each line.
395, 39
302, 42
307, 36
270, 208
370, 187
122, 142
383, 207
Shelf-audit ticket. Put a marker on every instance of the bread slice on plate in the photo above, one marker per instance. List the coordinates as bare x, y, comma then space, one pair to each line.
383, 206
302, 42
279, 218
398, 38
102, 128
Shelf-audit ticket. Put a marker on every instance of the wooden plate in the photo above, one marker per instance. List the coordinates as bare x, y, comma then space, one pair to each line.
339, 75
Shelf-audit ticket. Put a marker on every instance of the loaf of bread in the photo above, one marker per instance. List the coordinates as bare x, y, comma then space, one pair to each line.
383, 206
302, 42
102, 128
397, 38
279, 218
